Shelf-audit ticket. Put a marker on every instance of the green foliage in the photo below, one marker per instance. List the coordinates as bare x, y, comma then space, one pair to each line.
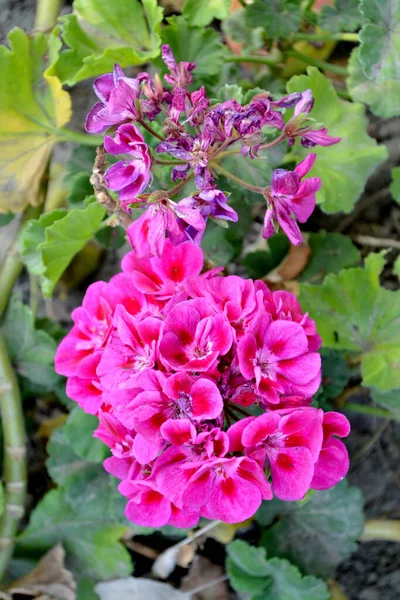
202, 13
261, 262
274, 579
111, 237
84, 513
216, 246
335, 375
31, 350
343, 16
236, 27
345, 167
230, 92
374, 74
100, 33
382, 96
51, 242
194, 44
278, 18
6, 219
318, 533
330, 252
354, 313
33, 108
395, 185
78, 172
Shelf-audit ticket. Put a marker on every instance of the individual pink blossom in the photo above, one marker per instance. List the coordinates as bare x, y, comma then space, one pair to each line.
276, 355
164, 276
288, 198
289, 444
333, 460
227, 489
117, 95
128, 177
194, 337
147, 233
300, 125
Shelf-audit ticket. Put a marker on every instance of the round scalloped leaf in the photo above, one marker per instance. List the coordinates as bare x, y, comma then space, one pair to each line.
200, 14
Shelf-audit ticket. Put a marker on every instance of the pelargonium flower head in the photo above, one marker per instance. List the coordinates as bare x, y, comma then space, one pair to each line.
128, 177
300, 125
288, 198
168, 358
117, 95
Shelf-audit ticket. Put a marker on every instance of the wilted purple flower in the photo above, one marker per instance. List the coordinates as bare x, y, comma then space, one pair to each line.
180, 74
128, 177
211, 203
289, 198
117, 95
147, 233
309, 132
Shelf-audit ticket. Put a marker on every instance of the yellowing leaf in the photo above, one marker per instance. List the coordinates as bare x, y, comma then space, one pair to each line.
33, 107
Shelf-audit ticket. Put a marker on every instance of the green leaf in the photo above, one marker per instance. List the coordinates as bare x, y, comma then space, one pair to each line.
33, 108
79, 188
379, 39
396, 267
274, 579
383, 97
390, 400
335, 376
316, 534
330, 252
194, 44
345, 167
111, 237
230, 92
64, 239
101, 33
354, 313
278, 18
261, 262
395, 185
345, 15
236, 27
6, 219
215, 245
33, 235
200, 14
31, 350
78, 431
1, 499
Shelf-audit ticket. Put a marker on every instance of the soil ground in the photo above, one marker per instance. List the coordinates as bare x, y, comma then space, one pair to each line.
373, 572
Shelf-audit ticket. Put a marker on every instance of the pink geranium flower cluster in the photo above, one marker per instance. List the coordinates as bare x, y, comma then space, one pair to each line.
193, 137
202, 385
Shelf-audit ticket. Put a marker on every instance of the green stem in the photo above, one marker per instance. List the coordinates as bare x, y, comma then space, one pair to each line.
365, 409
14, 465
329, 37
381, 529
179, 186
321, 64
12, 264
166, 163
67, 135
249, 186
251, 58
151, 130
47, 12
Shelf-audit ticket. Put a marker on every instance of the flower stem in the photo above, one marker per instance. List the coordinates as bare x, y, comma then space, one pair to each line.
101, 192
251, 58
321, 64
249, 186
322, 37
151, 130
67, 135
12, 264
381, 529
365, 409
47, 12
14, 464
179, 186
160, 161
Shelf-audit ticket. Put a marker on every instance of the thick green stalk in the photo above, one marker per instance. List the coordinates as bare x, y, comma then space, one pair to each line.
365, 409
251, 58
326, 37
321, 64
12, 264
47, 12
14, 465
67, 135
